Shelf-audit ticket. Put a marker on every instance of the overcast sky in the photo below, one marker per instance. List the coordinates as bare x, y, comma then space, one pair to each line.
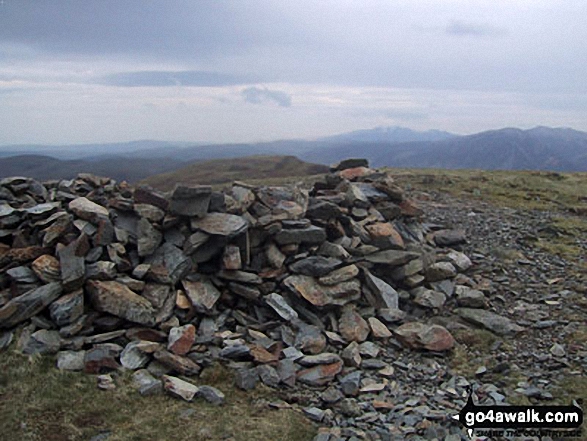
250, 70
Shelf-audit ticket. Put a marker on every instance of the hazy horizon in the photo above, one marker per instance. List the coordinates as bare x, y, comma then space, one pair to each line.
225, 72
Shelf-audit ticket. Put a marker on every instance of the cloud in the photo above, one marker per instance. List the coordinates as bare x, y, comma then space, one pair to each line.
191, 78
462, 28
256, 95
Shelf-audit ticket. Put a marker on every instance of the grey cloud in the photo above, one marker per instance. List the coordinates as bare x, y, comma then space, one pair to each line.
256, 95
171, 78
463, 28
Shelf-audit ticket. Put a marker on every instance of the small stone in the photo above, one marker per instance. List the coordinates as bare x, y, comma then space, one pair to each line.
221, 224
268, 375
323, 358
349, 163
420, 335
378, 329
352, 326
71, 360
314, 413
315, 266
320, 375
439, 271
310, 339
494, 322
179, 388
68, 308
340, 275
117, 299
428, 298
190, 201
42, 341
212, 395
386, 296
182, 365
351, 383
202, 294
231, 260
47, 268
106, 382
101, 358
146, 383
148, 238
460, 260
312, 235
28, 304
558, 350
73, 268
281, 307
88, 210
133, 357
447, 238
181, 339
470, 298
369, 349
322, 295
246, 379
351, 355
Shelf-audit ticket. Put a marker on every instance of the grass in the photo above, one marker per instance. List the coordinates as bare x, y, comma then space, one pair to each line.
38, 402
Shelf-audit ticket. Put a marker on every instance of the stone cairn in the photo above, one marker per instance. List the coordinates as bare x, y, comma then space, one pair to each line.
284, 285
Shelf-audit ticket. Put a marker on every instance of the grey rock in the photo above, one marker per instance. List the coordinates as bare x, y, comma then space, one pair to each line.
202, 294
322, 295
101, 270
323, 210
323, 358
73, 269
247, 292
148, 238
147, 384
246, 379
351, 383
312, 235
88, 210
268, 375
177, 363
428, 298
281, 307
287, 371
386, 296
132, 357
439, 271
194, 242
71, 360
5, 339
29, 304
212, 395
221, 224
447, 238
316, 266
179, 388
351, 355
236, 352
330, 249
349, 163
470, 298
43, 342
168, 264
314, 413
340, 275
240, 276
489, 320
22, 274
391, 258
68, 308
190, 201
117, 299
310, 339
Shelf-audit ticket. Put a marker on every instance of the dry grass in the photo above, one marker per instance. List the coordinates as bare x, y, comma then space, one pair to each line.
38, 402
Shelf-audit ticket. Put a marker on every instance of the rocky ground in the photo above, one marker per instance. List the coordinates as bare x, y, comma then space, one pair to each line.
368, 318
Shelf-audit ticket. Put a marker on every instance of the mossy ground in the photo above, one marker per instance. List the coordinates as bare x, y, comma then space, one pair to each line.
39, 402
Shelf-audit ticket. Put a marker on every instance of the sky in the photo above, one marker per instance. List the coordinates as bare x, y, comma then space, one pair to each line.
255, 70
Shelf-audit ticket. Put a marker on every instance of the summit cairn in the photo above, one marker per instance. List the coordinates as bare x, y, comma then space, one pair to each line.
285, 285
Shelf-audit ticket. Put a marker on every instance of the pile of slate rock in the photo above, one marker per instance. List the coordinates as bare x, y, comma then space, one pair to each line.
286, 285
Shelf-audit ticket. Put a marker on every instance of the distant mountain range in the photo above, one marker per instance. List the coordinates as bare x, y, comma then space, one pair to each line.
540, 148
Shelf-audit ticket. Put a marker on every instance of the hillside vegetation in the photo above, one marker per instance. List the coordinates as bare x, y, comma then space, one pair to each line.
222, 171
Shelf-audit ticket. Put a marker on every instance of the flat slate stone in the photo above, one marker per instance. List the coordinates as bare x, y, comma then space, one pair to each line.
494, 322
221, 224
29, 304
117, 299
190, 201
322, 295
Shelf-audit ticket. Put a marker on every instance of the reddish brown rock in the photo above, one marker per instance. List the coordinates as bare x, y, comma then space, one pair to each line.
352, 326
320, 375
47, 268
422, 336
384, 235
181, 339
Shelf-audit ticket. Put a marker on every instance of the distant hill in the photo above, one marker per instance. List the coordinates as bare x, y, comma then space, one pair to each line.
221, 171
45, 167
392, 135
540, 148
